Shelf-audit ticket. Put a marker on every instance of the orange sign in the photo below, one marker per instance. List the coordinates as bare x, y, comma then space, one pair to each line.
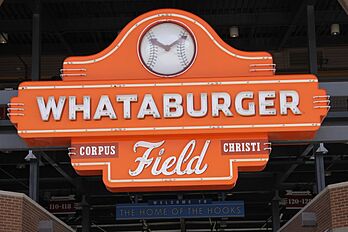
169, 106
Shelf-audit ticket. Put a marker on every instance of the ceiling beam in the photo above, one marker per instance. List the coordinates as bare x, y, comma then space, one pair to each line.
344, 4
56, 166
292, 168
292, 27
242, 43
267, 19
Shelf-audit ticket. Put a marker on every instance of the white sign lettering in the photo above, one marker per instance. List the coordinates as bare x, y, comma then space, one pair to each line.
245, 104
97, 150
176, 165
241, 147
45, 110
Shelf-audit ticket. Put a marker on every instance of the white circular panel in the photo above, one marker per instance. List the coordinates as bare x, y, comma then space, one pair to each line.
167, 49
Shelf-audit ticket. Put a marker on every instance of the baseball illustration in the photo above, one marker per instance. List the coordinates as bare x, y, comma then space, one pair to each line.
167, 49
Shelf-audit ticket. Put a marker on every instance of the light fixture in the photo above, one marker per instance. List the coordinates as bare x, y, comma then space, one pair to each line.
335, 29
30, 156
309, 219
3, 37
20, 166
322, 149
328, 173
234, 32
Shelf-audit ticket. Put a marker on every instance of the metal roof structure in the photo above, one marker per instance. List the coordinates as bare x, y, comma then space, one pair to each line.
88, 26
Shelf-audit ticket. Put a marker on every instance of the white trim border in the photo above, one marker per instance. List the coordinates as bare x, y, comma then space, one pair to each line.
119, 129
170, 84
134, 180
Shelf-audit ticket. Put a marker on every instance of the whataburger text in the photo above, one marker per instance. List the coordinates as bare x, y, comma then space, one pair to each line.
173, 105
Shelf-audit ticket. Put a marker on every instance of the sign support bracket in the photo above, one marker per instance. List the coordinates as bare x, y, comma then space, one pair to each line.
86, 223
313, 68
182, 220
320, 166
275, 211
33, 175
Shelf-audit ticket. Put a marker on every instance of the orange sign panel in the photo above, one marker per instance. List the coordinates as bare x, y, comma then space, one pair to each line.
169, 106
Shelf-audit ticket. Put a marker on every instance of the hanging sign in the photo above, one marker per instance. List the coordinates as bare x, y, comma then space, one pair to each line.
181, 210
297, 199
169, 106
62, 205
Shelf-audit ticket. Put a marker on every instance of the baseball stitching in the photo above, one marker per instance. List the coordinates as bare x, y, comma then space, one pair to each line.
180, 48
153, 51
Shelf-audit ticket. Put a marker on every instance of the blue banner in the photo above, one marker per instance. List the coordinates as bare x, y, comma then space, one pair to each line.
157, 211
